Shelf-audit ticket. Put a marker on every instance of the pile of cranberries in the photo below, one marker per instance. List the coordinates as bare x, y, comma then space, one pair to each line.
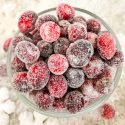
63, 63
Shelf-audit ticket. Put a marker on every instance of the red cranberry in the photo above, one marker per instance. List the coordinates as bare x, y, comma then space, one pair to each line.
76, 31
7, 44
106, 45
38, 75
79, 52
58, 64
20, 82
65, 12
57, 86
26, 22
74, 101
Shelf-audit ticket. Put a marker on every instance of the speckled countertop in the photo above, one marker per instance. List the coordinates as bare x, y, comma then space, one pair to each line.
12, 110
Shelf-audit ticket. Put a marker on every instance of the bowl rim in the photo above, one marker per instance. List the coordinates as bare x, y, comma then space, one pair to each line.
89, 108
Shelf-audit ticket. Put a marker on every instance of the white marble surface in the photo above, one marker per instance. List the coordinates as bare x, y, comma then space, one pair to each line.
12, 111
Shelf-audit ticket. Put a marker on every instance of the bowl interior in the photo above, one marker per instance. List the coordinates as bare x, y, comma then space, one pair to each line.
92, 106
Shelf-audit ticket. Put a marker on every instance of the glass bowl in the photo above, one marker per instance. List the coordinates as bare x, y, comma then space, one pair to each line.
90, 107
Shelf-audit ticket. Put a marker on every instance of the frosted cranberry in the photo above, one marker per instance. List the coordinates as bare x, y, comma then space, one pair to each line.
92, 37
3, 70
106, 45
79, 52
17, 64
94, 68
65, 12
50, 31
57, 86
44, 19
103, 83
117, 59
7, 44
38, 75
75, 77
44, 100
26, 22
88, 89
93, 25
64, 27
74, 101
107, 111
58, 64
45, 48
61, 45
59, 104
20, 82
80, 19
76, 31
27, 52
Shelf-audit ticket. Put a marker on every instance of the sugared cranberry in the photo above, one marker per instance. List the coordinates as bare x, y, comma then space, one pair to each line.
45, 48
106, 45
107, 111
92, 37
74, 101
44, 100
26, 22
38, 75
17, 64
7, 44
75, 77
79, 52
50, 31
44, 19
58, 64
27, 52
80, 19
117, 59
57, 86
93, 25
64, 27
3, 70
59, 104
20, 82
61, 45
65, 12
94, 68
76, 31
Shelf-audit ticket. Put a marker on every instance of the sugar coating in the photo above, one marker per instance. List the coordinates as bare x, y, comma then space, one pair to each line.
65, 12
57, 86
117, 59
79, 52
80, 19
27, 52
3, 70
88, 89
59, 104
17, 64
50, 31
7, 44
61, 45
106, 45
94, 68
45, 48
20, 82
74, 101
43, 19
44, 100
38, 75
77, 31
75, 77
93, 25
64, 27
58, 64
92, 37
26, 22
